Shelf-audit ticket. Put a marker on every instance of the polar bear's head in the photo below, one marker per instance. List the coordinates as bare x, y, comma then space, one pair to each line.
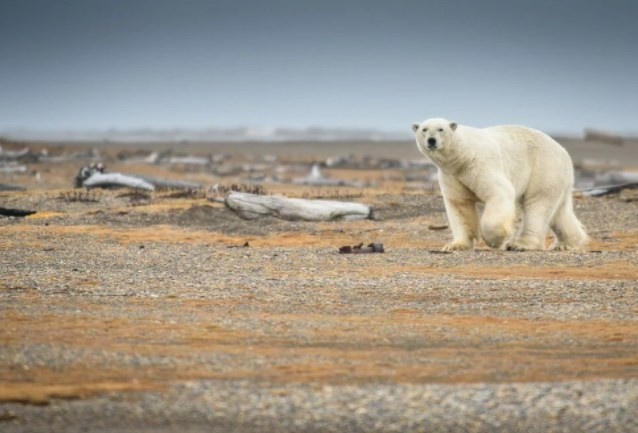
433, 134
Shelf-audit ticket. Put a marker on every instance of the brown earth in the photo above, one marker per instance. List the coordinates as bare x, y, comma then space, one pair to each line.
113, 296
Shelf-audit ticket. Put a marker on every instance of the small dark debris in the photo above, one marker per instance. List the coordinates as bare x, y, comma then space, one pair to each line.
244, 245
20, 288
438, 227
15, 212
595, 251
439, 252
360, 249
86, 172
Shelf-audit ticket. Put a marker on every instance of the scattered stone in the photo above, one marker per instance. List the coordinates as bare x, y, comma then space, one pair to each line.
316, 178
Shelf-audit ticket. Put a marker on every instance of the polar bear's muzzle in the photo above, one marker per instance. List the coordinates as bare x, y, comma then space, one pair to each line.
431, 143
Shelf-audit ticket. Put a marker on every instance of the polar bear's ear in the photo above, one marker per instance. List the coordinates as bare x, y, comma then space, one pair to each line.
415, 127
453, 125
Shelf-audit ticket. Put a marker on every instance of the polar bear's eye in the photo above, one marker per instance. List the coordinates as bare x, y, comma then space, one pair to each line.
440, 129
425, 129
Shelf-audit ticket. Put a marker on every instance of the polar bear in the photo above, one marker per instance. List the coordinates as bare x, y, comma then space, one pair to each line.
502, 167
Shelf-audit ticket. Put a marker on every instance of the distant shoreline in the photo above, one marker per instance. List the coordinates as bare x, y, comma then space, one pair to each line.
579, 148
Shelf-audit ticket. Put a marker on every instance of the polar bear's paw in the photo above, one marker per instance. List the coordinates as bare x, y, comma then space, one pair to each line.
522, 245
558, 246
513, 246
457, 246
561, 246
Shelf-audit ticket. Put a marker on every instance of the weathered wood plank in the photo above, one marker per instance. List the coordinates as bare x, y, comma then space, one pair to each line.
252, 206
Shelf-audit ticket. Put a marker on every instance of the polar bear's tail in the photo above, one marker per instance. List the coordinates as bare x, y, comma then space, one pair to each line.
570, 233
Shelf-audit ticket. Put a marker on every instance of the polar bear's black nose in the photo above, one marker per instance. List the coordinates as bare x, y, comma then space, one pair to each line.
431, 142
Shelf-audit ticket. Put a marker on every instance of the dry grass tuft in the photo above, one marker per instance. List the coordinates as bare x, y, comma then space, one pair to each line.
88, 196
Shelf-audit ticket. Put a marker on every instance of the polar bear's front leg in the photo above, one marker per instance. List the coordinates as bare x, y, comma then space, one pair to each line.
463, 219
460, 206
497, 222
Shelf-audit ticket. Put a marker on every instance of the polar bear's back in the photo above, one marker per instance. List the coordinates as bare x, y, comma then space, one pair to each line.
530, 153
514, 139
516, 134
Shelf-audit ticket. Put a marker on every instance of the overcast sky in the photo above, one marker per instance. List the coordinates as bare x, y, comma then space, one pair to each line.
555, 65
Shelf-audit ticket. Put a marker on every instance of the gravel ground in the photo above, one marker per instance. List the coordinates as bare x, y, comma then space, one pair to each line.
120, 316
599, 406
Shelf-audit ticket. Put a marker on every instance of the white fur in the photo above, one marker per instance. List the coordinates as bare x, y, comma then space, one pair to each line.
502, 167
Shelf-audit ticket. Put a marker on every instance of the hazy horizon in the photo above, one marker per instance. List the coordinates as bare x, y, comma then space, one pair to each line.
233, 134
196, 64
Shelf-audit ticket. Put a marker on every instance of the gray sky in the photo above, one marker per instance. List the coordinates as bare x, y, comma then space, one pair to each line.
555, 65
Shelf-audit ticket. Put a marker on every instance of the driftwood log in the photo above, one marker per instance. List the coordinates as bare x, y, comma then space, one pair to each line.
116, 179
252, 206
611, 189
9, 187
12, 167
24, 155
94, 175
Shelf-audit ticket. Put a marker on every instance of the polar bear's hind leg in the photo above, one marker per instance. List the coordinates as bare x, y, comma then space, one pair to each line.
537, 214
569, 232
